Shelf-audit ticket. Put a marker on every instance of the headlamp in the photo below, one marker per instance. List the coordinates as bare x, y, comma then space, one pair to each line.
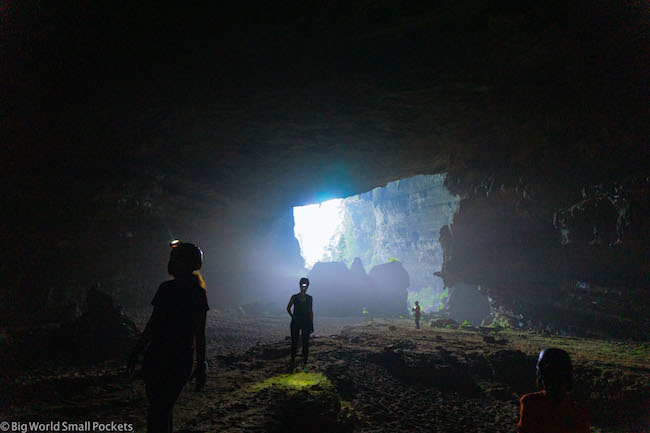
175, 243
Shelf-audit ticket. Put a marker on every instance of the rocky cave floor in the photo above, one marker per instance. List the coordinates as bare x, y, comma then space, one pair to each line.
378, 375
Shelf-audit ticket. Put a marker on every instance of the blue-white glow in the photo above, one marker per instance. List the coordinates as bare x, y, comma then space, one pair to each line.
316, 225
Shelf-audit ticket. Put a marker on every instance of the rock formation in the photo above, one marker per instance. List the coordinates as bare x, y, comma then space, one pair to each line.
333, 290
102, 332
391, 281
579, 269
362, 283
339, 291
400, 220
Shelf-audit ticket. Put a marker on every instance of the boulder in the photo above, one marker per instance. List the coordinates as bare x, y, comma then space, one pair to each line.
101, 333
339, 291
391, 281
334, 290
443, 322
362, 282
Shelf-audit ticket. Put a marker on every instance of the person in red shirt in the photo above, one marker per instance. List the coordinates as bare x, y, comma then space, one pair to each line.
176, 328
551, 410
416, 309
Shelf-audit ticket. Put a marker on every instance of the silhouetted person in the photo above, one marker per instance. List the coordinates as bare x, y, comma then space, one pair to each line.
416, 310
177, 321
302, 321
550, 410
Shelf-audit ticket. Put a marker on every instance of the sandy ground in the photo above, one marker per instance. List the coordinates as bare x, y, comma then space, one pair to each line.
385, 376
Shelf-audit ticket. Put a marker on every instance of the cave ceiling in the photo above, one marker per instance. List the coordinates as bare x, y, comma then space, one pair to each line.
169, 105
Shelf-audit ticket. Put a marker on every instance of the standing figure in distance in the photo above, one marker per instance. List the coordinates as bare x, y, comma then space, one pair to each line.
416, 310
177, 321
550, 410
302, 321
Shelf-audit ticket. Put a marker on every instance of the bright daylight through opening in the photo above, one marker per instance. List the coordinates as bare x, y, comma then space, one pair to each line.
315, 227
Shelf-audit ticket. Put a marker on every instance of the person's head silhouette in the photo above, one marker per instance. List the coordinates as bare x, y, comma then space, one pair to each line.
555, 372
304, 284
185, 258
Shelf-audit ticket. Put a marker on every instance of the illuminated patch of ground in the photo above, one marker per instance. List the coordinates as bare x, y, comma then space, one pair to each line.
297, 381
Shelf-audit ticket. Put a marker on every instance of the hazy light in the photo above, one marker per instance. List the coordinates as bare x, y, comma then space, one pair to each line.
315, 226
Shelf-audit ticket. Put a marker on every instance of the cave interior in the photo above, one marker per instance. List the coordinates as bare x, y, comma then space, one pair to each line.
206, 128
129, 125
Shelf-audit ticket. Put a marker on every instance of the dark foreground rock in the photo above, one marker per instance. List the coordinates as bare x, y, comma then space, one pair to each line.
103, 332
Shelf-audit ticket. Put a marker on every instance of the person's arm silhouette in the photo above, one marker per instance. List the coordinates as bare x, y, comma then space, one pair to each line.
289, 306
311, 313
200, 372
144, 339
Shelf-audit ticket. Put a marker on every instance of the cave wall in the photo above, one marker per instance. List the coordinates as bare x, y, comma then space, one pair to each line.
582, 269
401, 220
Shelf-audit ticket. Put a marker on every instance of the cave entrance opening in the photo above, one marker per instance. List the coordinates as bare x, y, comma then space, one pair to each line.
317, 227
400, 221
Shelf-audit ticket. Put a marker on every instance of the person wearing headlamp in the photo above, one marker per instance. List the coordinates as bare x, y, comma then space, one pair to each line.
175, 330
302, 322
551, 410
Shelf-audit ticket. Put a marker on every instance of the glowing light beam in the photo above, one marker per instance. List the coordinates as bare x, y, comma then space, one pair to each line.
316, 224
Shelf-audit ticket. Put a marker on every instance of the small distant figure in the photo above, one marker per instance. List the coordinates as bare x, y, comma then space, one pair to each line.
302, 321
176, 323
550, 410
416, 310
